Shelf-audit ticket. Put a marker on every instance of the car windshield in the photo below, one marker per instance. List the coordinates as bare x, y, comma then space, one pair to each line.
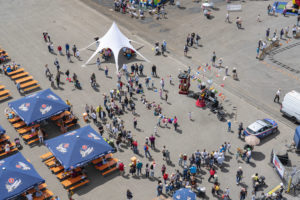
267, 122
250, 130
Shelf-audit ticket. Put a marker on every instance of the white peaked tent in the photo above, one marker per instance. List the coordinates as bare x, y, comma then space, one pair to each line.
115, 40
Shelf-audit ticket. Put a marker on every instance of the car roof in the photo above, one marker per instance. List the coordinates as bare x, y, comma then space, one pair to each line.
256, 126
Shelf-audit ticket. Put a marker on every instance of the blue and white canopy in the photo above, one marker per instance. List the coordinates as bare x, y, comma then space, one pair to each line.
17, 175
38, 106
78, 147
2, 130
184, 194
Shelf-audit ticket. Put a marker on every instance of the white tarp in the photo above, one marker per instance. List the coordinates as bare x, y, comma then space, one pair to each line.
115, 40
237, 7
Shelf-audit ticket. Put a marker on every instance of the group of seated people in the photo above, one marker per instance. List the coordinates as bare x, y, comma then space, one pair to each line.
65, 121
5, 147
106, 53
128, 53
149, 105
9, 68
3, 56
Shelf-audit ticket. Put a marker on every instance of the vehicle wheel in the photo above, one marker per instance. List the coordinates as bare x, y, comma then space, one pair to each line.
294, 119
275, 130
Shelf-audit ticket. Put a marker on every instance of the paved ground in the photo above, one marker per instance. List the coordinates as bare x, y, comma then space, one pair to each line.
74, 22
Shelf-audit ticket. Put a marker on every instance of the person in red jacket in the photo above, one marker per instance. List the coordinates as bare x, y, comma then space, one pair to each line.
165, 177
59, 49
121, 168
212, 172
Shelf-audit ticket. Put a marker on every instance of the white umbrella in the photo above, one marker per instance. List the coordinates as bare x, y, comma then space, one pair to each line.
252, 140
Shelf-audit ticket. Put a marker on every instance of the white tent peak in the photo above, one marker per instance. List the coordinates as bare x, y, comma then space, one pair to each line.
115, 40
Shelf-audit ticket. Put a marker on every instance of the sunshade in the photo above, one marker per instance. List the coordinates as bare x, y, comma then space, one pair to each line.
184, 194
252, 140
17, 175
38, 106
78, 147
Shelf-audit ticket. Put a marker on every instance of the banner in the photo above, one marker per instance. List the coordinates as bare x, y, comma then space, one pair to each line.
278, 165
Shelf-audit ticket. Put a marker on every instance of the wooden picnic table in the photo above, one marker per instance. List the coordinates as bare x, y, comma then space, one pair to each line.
19, 124
59, 116
56, 170
98, 160
64, 175
4, 138
2, 147
27, 129
19, 75
15, 119
46, 195
15, 72
28, 136
27, 84
107, 165
22, 80
71, 181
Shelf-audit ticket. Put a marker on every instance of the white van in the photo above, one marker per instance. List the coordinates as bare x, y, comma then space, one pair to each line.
291, 106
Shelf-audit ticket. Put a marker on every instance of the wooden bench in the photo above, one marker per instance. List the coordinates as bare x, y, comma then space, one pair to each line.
2, 87
31, 88
22, 80
4, 97
27, 129
19, 124
56, 170
32, 142
109, 171
98, 160
29, 136
11, 151
64, 175
72, 181
47, 194
79, 185
19, 75
4, 138
14, 120
27, 84
107, 165
15, 72
46, 156
4, 92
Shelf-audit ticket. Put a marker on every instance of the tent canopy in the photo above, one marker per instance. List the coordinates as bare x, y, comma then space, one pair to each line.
115, 40
17, 175
38, 106
78, 147
2, 130
184, 194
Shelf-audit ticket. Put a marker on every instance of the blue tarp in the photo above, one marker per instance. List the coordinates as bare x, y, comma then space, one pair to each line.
2, 130
38, 106
297, 137
17, 175
78, 147
184, 194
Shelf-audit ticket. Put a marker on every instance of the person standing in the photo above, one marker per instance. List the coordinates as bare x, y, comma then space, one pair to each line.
213, 59
98, 63
175, 123
59, 49
160, 93
106, 71
67, 48
212, 172
229, 126
268, 33
74, 50
257, 52
152, 141
147, 152
240, 129
166, 96
19, 87
277, 96
134, 122
154, 71
243, 194
227, 17
185, 50
139, 166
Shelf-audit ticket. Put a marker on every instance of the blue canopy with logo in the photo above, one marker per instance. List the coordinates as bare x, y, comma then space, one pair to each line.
17, 175
184, 194
78, 147
2, 130
38, 106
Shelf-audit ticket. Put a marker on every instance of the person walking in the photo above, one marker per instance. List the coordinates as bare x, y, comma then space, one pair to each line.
139, 166
19, 87
160, 93
212, 172
175, 123
240, 129
59, 49
147, 152
268, 33
213, 59
257, 52
98, 62
106, 71
243, 194
152, 141
277, 96
129, 195
74, 50
185, 50
239, 175
41, 136
190, 115
134, 122
154, 71
67, 48
229, 126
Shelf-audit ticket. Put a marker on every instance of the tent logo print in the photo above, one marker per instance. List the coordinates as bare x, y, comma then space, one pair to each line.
44, 109
22, 166
12, 184
62, 147
24, 107
85, 150
92, 135
2, 162
71, 133
50, 96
